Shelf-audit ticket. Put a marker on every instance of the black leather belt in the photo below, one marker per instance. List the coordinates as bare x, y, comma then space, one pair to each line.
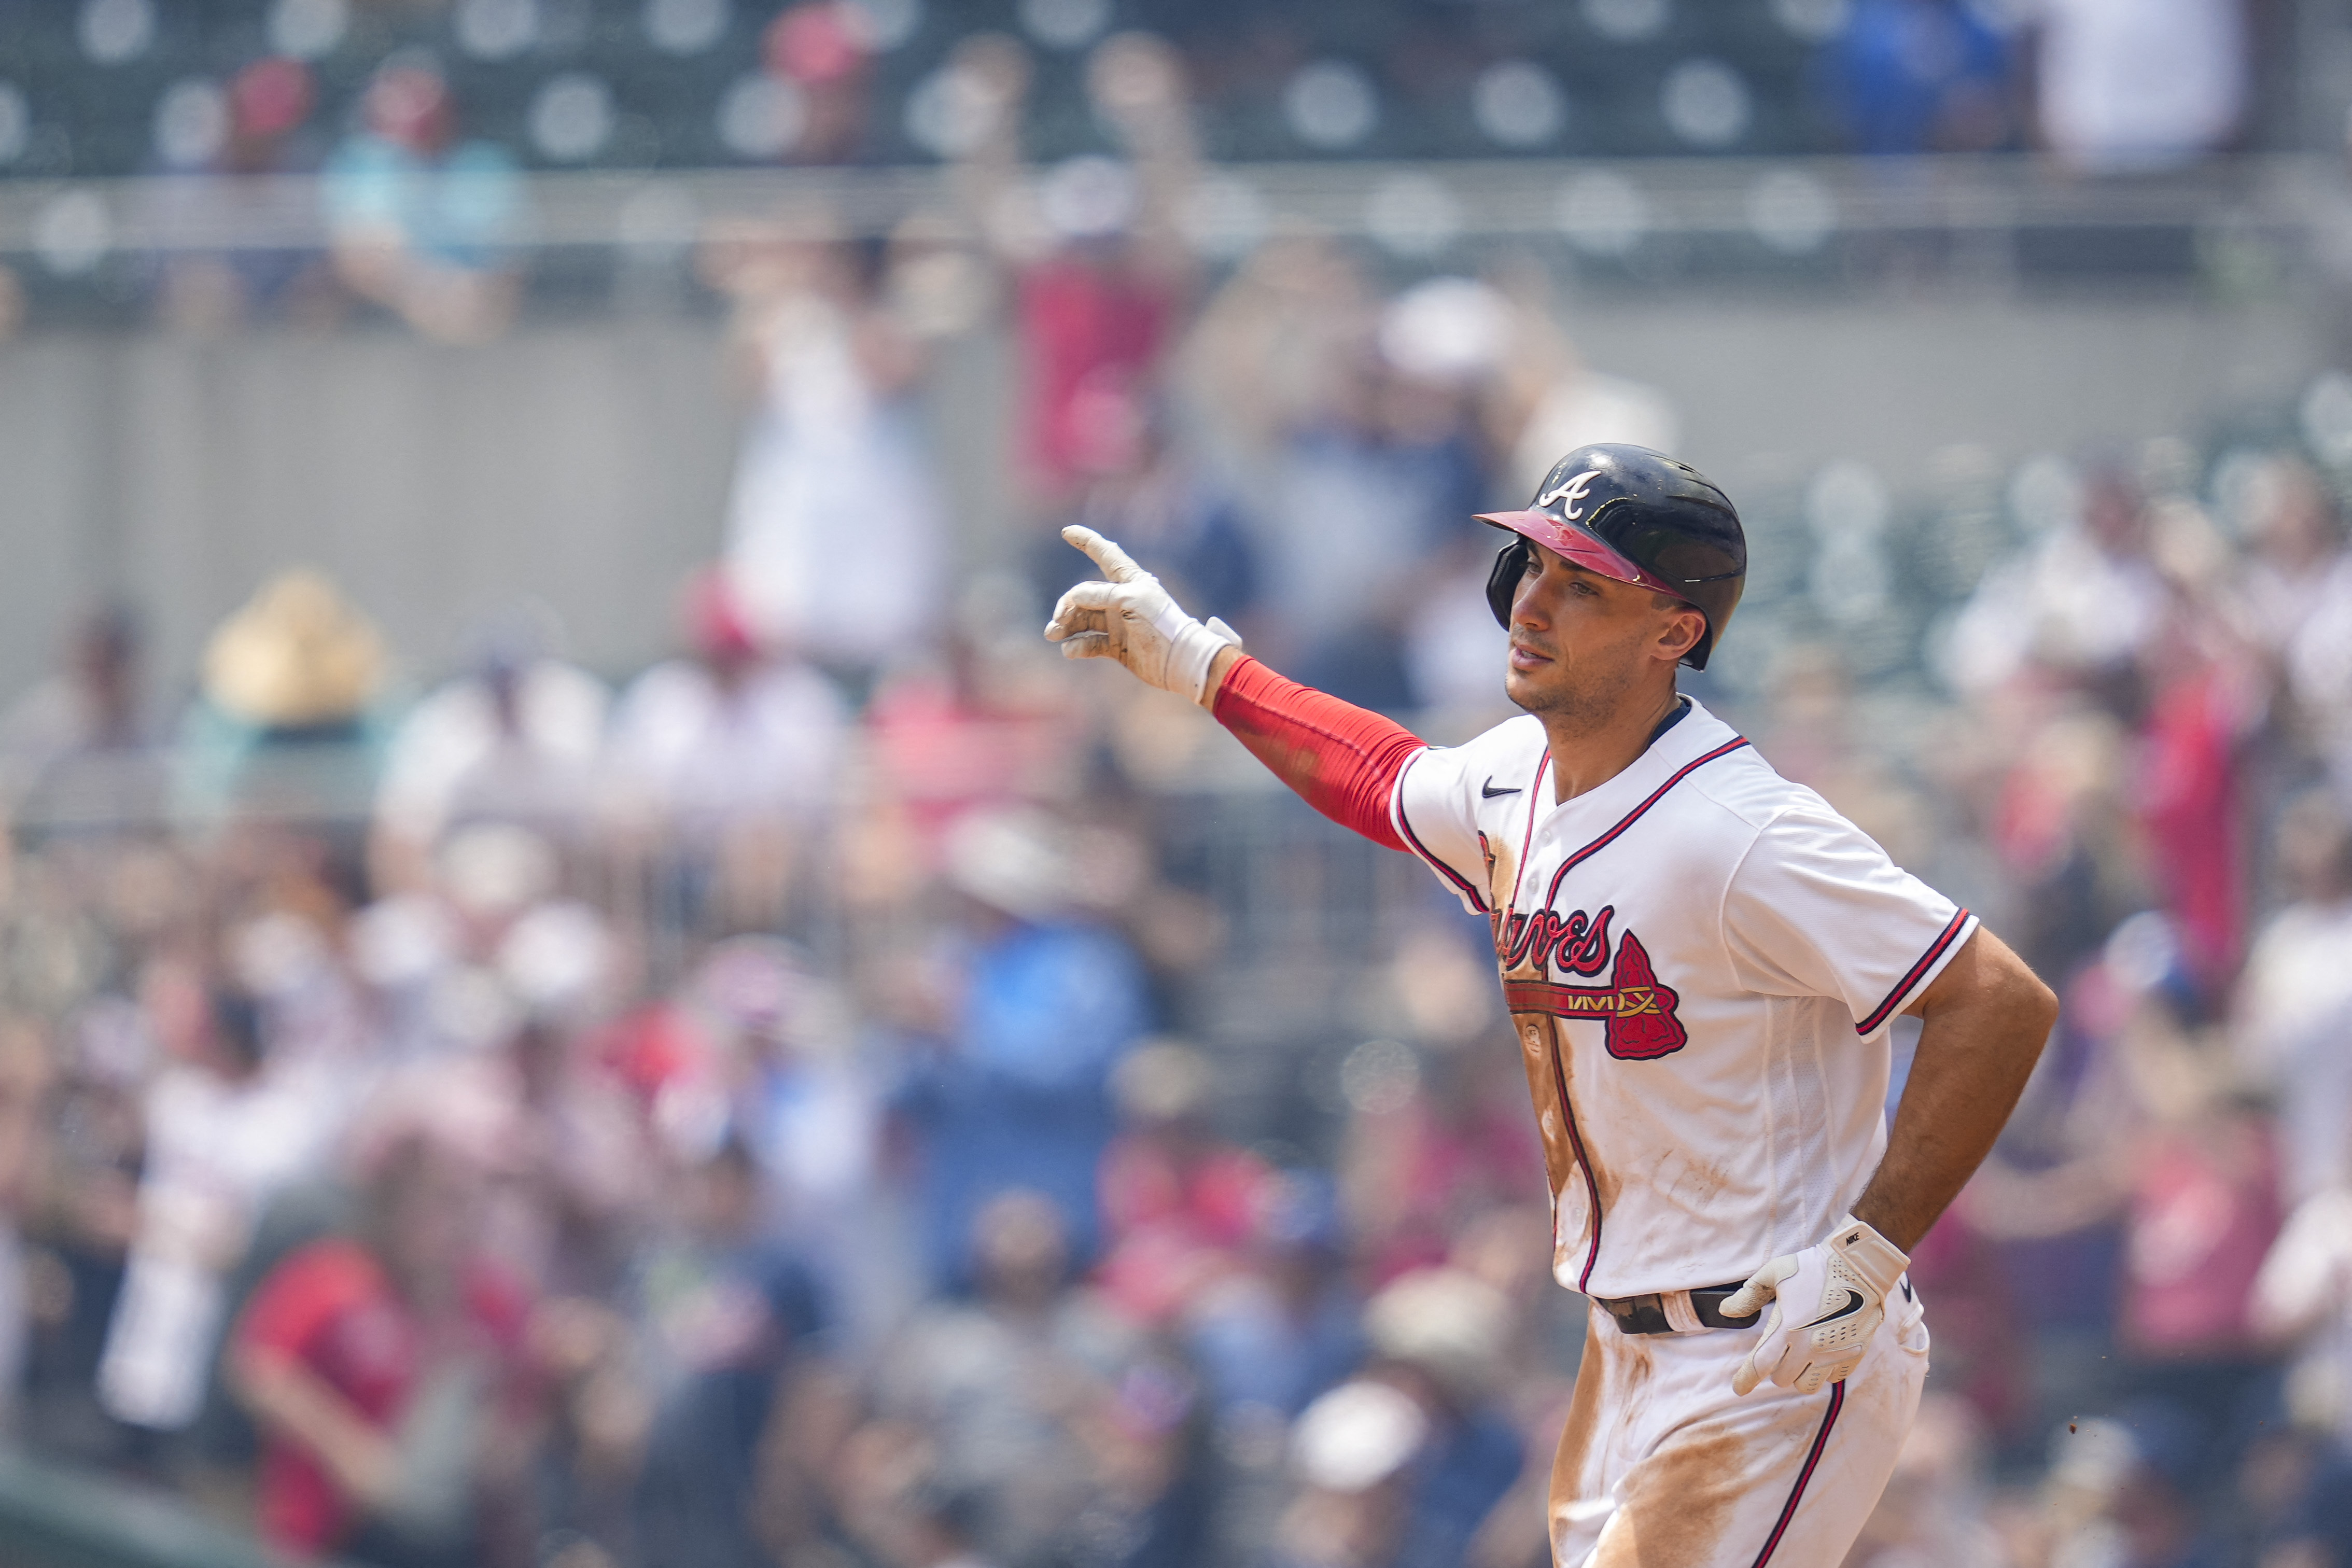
1647, 1314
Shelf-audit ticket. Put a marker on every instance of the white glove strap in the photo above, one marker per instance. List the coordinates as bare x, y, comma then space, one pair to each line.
1192, 647
1870, 1254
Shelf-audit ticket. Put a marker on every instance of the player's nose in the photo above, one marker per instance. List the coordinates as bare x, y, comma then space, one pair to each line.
1531, 611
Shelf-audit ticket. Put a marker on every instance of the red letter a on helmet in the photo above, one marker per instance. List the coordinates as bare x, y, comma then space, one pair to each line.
1644, 1026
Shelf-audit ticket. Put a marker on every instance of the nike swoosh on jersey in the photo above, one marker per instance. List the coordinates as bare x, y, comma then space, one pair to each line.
1853, 1305
1490, 791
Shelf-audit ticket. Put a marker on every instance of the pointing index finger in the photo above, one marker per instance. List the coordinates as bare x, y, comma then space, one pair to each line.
1114, 562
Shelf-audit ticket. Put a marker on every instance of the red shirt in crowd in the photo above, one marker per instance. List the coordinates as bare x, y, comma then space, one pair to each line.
330, 1308
2188, 799
2204, 1212
1091, 334
1173, 1222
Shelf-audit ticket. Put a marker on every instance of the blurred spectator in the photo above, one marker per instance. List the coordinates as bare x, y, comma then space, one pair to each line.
2294, 1021
2291, 523
1550, 402
2064, 837
809, 1104
835, 436
1351, 1451
2204, 703
820, 51
515, 740
490, 944
1039, 1401
74, 750
572, 1192
2080, 604
721, 768
735, 1320
2129, 85
1400, 1468
2051, 1199
2162, 1136
2144, 1471
1143, 489
1019, 1094
1921, 75
420, 221
2302, 1299
1981, 1362
84, 1212
1436, 1138
1280, 1331
990, 725
225, 1128
1269, 349
288, 719
1177, 1202
1439, 1335
209, 292
1392, 446
2204, 1211
1101, 267
388, 1373
2318, 661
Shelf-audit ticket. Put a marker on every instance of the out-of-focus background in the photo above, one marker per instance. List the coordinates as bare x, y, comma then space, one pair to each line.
578, 989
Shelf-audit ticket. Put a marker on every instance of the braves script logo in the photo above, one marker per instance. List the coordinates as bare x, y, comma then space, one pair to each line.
1572, 493
1638, 1007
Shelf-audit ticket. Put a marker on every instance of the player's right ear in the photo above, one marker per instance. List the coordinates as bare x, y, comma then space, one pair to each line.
1686, 624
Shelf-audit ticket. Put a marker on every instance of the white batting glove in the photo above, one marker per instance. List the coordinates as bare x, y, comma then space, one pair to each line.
1132, 619
1827, 1301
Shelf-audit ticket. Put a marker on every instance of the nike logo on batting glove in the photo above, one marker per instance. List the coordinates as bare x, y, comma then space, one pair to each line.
1853, 1304
1827, 1304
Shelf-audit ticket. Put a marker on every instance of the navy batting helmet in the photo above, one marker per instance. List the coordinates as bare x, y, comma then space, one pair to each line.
1637, 516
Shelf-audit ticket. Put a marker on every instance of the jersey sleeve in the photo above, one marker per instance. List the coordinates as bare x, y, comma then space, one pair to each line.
1432, 813
1816, 908
1343, 759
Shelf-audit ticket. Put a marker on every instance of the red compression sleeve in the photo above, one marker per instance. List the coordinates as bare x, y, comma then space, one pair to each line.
1343, 759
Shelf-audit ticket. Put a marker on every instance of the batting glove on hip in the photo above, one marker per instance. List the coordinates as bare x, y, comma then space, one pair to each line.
1132, 619
1827, 1302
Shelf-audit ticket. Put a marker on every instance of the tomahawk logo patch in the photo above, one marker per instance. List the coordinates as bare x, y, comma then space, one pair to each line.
1636, 1005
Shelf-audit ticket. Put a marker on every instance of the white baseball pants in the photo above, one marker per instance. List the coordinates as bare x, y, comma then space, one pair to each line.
1662, 1465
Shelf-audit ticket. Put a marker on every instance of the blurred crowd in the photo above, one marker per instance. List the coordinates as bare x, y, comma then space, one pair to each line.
863, 1091
830, 1098
410, 125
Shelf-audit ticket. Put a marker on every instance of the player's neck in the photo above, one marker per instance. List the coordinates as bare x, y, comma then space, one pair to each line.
1589, 750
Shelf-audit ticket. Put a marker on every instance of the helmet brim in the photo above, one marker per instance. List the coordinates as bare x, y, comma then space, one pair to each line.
1585, 548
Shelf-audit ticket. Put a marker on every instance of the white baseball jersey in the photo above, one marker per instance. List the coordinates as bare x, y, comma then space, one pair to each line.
1701, 959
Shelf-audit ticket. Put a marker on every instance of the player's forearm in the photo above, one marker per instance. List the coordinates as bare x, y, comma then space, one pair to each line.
1984, 1022
1221, 666
1343, 761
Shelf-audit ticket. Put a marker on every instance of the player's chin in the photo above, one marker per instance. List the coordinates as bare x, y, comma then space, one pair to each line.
1527, 688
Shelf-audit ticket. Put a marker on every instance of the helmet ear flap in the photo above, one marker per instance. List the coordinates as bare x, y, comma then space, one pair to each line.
1502, 582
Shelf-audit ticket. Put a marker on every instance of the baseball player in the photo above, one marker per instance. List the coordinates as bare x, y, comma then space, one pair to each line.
1701, 960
